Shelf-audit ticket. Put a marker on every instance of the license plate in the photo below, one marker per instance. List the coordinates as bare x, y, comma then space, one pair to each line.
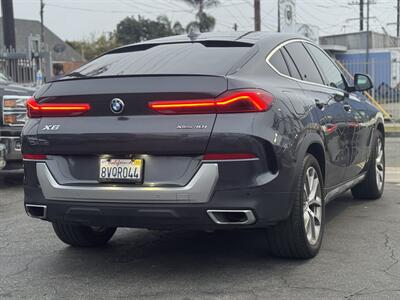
120, 170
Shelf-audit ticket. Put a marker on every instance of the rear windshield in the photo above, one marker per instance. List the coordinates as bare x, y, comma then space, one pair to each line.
185, 58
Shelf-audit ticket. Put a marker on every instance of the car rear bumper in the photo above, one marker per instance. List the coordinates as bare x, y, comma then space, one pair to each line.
197, 205
267, 209
198, 190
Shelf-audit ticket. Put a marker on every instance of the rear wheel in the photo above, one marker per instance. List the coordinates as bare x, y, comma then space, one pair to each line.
83, 236
371, 188
300, 236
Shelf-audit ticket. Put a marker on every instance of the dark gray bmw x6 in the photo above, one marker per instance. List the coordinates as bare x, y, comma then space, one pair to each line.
203, 132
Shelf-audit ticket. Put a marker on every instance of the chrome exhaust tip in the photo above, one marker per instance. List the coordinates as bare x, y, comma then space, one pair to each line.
232, 217
36, 211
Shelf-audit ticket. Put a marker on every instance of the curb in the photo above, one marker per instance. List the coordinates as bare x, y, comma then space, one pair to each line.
392, 134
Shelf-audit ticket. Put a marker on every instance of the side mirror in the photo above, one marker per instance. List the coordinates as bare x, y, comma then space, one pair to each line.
362, 83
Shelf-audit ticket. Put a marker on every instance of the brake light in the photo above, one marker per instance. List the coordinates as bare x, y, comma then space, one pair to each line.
236, 101
37, 110
229, 156
34, 156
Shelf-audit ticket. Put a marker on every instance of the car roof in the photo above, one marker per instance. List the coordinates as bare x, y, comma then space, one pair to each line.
261, 38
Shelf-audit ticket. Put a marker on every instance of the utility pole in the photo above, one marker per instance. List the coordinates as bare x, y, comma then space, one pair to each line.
257, 15
368, 3
362, 15
41, 23
279, 16
8, 24
398, 18
360, 3
367, 50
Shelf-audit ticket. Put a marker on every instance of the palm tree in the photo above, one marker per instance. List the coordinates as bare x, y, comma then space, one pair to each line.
203, 21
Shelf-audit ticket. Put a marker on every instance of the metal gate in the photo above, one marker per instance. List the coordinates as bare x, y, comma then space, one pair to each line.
385, 75
21, 68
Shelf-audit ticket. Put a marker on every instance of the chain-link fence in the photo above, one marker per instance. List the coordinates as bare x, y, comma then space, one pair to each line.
386, 77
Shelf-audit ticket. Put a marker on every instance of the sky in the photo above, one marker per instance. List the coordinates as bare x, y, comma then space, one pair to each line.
80, 19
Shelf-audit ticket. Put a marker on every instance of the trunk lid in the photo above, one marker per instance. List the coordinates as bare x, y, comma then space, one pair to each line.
137, 130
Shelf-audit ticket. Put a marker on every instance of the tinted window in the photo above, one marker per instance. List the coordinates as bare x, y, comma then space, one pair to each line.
304, 62
328, 68
184, 58
294, 72
279, 63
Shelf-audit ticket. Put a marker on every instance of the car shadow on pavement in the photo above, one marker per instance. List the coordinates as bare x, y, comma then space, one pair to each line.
180, 254
149, 252
11, 180
339, 205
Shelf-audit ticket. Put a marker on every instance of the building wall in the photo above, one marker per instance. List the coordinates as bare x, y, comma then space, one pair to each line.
379, 66
25, 28
358, 40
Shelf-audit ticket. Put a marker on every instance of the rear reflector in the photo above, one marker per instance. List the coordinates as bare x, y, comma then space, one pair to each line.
236, 101
37, 110
34, 156
229, 156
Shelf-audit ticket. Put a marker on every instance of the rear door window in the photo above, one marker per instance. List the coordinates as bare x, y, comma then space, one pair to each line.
294, 72
279, 63
305, 64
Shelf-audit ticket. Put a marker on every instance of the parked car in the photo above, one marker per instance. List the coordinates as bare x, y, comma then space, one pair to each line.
12, 118
210, 131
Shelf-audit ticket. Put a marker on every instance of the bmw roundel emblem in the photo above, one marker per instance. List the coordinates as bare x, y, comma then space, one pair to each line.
117, 106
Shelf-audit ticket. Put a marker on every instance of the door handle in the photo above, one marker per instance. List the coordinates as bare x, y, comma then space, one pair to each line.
319, 104
347, 107
339, 96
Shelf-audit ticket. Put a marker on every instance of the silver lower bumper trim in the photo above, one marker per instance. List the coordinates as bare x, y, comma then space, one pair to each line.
198, 190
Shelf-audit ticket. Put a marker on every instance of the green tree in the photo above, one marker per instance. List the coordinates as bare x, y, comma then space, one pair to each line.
203, 22
132, 30
129, 30
94, 46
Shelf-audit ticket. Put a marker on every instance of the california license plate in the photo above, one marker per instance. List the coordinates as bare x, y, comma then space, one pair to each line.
120, 170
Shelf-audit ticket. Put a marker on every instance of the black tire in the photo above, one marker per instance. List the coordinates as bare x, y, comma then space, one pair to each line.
83, 236
289, 238
369, 188
14, 179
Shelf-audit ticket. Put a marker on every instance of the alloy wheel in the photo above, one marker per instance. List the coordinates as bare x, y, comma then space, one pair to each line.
379, 164
312, 205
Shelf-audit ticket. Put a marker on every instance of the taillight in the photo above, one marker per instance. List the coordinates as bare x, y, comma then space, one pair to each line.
34, 156
229, 156
37, 110
236, 101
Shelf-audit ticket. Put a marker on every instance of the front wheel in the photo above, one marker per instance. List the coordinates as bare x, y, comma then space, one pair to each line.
371, 188
83, 236
300, 236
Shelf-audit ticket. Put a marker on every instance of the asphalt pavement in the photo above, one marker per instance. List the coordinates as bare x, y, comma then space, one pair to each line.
359, 258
